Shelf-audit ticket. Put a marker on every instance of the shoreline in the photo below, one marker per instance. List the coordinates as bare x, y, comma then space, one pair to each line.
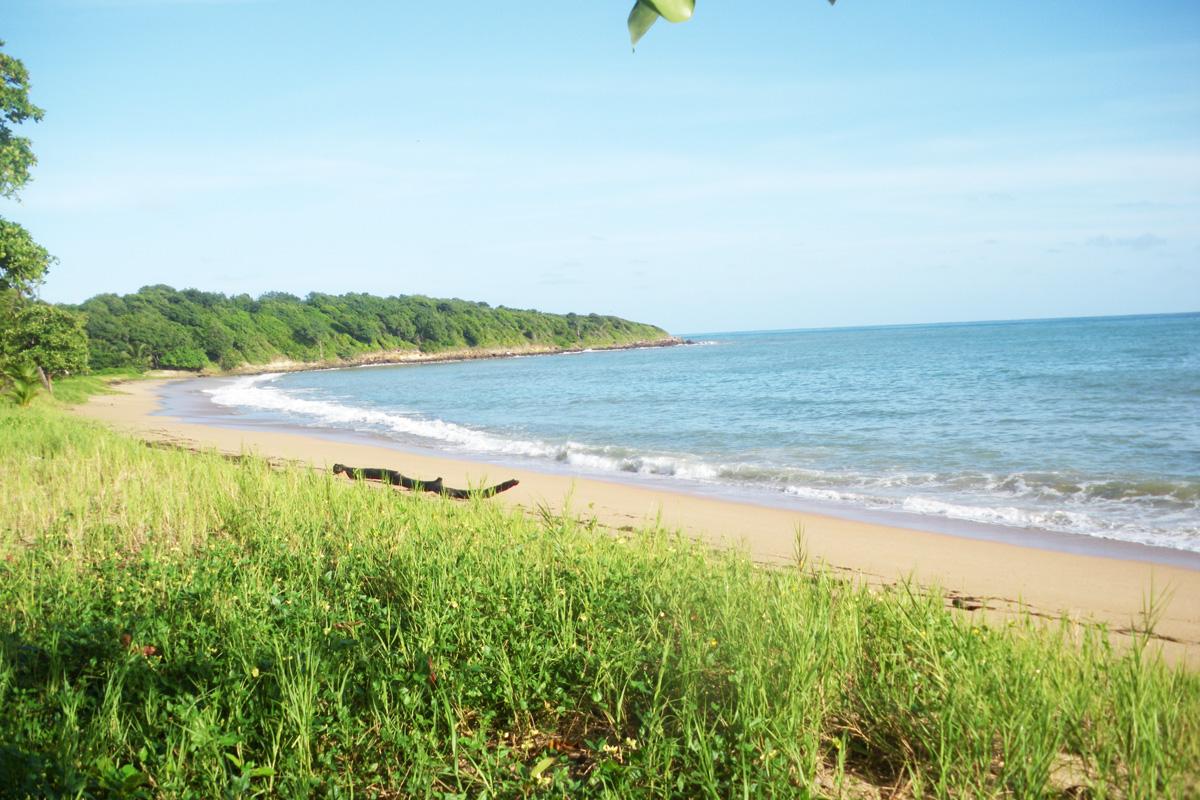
995, 577
399, 357
181, 401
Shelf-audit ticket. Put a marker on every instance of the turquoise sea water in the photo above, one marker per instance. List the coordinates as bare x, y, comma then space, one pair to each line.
1083, 426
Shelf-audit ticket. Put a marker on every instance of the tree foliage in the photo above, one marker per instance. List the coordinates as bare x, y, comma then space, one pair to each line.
34, 337
46, 336
163, 328
23, 262
16, 152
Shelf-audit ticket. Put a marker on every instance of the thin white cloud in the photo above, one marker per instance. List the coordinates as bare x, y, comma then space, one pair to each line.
155, 185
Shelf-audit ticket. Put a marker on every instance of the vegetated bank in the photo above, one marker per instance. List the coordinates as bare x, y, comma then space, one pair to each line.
184, 625
159, 327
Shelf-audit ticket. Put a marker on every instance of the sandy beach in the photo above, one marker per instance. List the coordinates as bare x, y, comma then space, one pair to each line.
987, 577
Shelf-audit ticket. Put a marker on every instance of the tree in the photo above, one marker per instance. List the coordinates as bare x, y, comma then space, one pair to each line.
16, 152
47, 337
33, 336
22, 261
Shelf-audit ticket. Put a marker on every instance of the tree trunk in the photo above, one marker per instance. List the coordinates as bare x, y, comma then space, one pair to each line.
45, 380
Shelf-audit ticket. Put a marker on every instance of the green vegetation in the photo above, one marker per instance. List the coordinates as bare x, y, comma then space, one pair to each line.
182, 625
163, 328
37, 341
23, 262
46, 336
22, 384
16, 152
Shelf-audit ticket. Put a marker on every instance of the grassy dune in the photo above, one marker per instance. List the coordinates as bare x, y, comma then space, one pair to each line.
181, 625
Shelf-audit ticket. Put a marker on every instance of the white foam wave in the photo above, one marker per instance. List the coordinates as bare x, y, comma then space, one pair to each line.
1103, 522
666, 466
255, 392
1050, 519
250, 392
813, 493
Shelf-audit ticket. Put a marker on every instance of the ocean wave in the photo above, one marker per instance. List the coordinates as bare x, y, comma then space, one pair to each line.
600, 460
1048, 519
1059, 487
832, 495
1181, 495
1163, 513
254, 392
1132, 523
250, 392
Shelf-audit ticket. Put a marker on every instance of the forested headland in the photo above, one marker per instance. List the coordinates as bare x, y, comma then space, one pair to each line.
159, 327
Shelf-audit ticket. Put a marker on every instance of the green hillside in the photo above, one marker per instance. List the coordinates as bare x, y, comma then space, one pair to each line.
163, 328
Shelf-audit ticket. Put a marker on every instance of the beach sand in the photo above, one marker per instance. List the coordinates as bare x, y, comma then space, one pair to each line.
998, 576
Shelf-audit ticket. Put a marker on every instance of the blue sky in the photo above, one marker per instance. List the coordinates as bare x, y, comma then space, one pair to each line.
804, 166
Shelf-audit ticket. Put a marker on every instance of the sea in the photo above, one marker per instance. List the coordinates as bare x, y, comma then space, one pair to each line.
1080, 427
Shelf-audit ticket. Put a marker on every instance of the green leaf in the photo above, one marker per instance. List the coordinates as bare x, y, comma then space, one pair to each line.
641, 18
541, 766
675, 10
23, 262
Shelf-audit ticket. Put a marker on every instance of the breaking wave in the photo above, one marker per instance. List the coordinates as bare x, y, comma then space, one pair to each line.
255, 392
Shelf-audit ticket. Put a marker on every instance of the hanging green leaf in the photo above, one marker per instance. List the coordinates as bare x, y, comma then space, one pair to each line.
641, 18
675, 10
645, 12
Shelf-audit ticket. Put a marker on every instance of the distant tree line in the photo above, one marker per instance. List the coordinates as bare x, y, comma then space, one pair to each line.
163, 328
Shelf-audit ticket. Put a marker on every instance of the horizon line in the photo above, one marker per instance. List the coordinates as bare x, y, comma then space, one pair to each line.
875, 326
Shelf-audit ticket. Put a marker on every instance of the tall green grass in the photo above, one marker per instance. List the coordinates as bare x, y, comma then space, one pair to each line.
181, 625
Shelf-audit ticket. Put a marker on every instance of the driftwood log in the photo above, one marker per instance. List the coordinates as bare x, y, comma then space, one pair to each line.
394, 478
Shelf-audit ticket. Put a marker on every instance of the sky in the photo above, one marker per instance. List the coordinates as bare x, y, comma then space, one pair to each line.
795, 166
